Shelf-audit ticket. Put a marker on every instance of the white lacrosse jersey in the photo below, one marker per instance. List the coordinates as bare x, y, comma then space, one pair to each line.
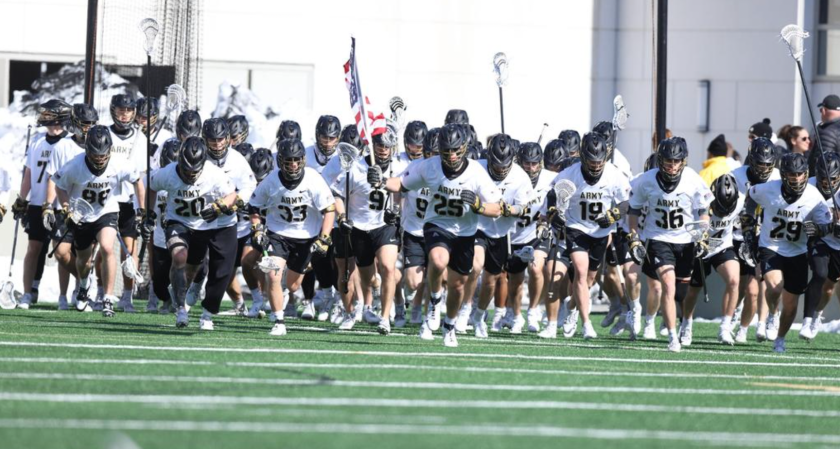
128, 151
721, 228
185, 202
239, 171
415, 203
62, 154
669, 212
331, 170
101, 191
591, 201
516, 190
781, 223
743, 183
446, 209
622, 164
38, 158
366, 205
526, 226
293, 213
642, 211
316, 160
159, 239
830, 240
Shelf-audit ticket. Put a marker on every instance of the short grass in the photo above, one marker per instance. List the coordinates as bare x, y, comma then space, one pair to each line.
75, 380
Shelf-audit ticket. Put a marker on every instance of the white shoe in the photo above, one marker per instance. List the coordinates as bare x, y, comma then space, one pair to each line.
308, 310
509, 319
25, 302
182, 318
496, 326
779, 345
550, 331
152, 305
399, 316
761, 332
741, 336
370, 316
463, 318
206, 321
108, 307
347, 322
816, 324
416, 314
634, 317
337, 313
449, 338
736, 316
62, 303
433, 316
426, 332
534, 318
612, 314
570, 325
620, 326
125, 305
650, 330
773, 326
192, 294
589, 331
384, 327
674, 345
805, 332
686, 334
518, 324
290, 311
663, 331
278, 330
725, 335
480, 324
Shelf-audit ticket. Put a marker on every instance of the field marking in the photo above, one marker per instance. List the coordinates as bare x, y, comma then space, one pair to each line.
820, 392
727, 438
404, 367
409, 354
798, 386
70, 398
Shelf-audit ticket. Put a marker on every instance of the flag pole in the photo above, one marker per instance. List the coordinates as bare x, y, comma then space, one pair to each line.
362, 98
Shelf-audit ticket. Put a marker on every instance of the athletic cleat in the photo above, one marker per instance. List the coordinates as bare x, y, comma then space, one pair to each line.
348, 320
34, 292
650, 330
337, 313
612, 314
805, 332
290, 311
570, 325
62, 303
463, 318
125, 305
416, 315
193, 294
496, 326
620, 326
399, 316
761, 332
433, 316
108, 307
741, 336
725, 335
205, 324
663, 331
450, 340
686, 334
152, 305
779, 345
773, 326
426, 332
480, 326
518, 324
534, 318
564, 310
370, 316
167, 307
97, 305
674, 345
256, 308
278, 330
239, 308
815, 325
509, 319
589, 331
550, 331
634, 317
308, 310
182, 318
25, 302
384, 327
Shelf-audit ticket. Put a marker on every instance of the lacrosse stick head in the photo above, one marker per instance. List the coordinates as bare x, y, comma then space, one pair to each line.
397, 106
130, 270
176, 100
620, 114
564, 189
500, 68
714, 244
149, 27
347, 154
794, 37
696, 229
268, 264
79, 209
525, 254
7, 295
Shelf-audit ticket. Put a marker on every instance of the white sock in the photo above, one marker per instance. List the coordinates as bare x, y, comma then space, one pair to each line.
409, 295
650, 318
436, 296
552, 323
501, 311
635, 303
689, 322
672, 333
727, 321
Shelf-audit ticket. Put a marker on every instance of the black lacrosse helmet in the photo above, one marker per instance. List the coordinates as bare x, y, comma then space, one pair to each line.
53, 113
191, 159
413, 137
794, 171
761, 158
291, 159
98, 149
169, 152
217, 137
453, 140
239, 129
82, 118
651, 162
350, 134
246, 150
262, 163
828, 174
593, 157
607, 132
531, 153
672, 149
327, 132
142, 105
123, 102
555, 152
570, 140
500, 157
289, 129
431, 143
725, 193
188, 125
458, 116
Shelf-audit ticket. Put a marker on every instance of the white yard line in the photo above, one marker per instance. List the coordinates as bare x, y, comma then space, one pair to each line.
727, 438
413, 385
409, 403
403, 367
453, 353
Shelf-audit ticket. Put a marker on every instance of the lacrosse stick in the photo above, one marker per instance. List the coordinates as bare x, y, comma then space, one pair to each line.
563, 190
79, 209
128, 268
398, 108
500, 67
176, 101
794, 36
149, 27
7, 287
696, 229
545, 125
525, 254
348, 154
620, 114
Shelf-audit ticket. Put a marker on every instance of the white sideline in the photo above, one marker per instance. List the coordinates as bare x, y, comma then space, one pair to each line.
414, 385
408, 403
367, 366
409, 354
727, 438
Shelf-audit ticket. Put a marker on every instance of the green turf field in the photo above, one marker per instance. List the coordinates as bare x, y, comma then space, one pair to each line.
77, 380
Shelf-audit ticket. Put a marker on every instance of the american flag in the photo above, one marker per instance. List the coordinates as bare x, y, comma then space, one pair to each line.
374, 123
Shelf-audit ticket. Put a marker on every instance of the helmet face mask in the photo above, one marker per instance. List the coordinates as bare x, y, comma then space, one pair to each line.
262, 163
217, 137
500, 157
415, 133
671, 156
593, 156
140, 116
431, 143
794, 172
98, 148
327, 133
828, 174
291, 159
530, 158
191, 158
762, 158
54, 113
796, 182
453, 147
239, 129
123, 110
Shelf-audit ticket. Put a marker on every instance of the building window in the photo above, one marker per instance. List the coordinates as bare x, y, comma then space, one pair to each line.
828, 38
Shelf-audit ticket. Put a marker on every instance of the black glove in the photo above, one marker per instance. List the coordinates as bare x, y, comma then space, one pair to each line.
259, 236
749, 248
557, 220
636, 249
48, 218
818, 230
392, 215
153, 147
241, 209
147, 227
139, 216
214, 210
374, 176
322, 245
609, 218
345, 225
509, 211
19, 208
471, 199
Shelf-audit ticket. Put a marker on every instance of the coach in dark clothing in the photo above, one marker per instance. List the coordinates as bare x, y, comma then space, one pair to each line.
828, 129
